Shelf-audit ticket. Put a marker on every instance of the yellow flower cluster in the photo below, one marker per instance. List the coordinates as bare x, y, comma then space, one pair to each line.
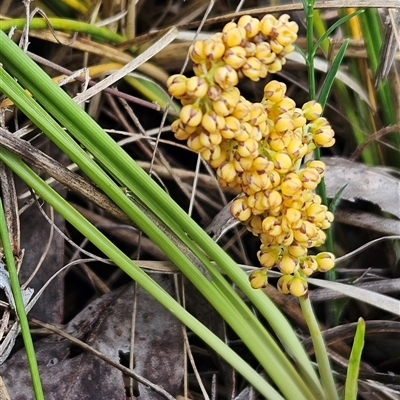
257, 148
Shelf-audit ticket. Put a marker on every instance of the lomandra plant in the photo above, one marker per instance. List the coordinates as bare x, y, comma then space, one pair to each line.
256, 149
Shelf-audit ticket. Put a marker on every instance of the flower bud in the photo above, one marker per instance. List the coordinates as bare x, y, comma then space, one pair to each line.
262, 163
254, 181
212, 122
312, 110
177, 85
274, 91
283, 283
276, 47
264, 53
292, 216
318, 165
226, 171
269, 255
248, 148
322, 132
291, 185
305, 233
298, 120
297, 286
272, 226
182, 131
249, 48
258, 114
196, 51
242, 163
252, 69
233, 35
194, 143
216, 160
275, 178
282, 162
240, 210
214, 93
235, 57
288, 265
308, 265
316, 212
296, 250
286, 105
226, 77
276, 65
325, 261
283, 124
196, 87
242, 109
213, 49
268, 24
191, 115
285, 37
254, 225
258, 279
310, 178
244, 132
250, 24
227, 102
213, 152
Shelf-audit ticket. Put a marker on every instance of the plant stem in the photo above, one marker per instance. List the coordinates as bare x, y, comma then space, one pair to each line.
19, 306
319, 348
310, 47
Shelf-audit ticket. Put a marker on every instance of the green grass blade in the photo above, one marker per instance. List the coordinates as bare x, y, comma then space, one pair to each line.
330, 76
19, 306
66, 25
354, 362
335, 201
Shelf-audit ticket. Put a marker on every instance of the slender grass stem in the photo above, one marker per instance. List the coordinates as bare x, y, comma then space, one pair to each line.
319, 348
20, 308
309, 8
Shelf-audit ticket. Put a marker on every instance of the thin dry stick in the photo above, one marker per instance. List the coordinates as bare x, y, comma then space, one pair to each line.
10, 203
3, 391
71, 242
40, 160
132, 343
112, 91
94, 279
116, 76
46, 250
372, 138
